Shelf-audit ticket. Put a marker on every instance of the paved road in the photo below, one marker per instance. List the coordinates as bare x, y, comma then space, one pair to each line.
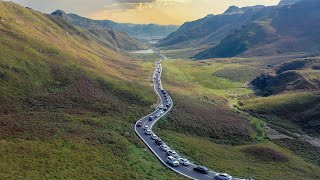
186, 171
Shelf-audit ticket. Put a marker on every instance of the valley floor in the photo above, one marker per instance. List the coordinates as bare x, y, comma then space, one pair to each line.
203, 125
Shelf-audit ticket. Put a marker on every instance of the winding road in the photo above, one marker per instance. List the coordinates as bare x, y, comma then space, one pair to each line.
165, 99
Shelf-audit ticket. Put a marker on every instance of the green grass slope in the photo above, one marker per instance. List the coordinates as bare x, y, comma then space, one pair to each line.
68, 103
298, 112
202, 126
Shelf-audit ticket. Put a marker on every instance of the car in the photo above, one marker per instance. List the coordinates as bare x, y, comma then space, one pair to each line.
158, 115
154, 137
173, 153
167, 105
145, 127
165, 109
139, 124
173, 161
161, 112
223, 176
148, 132
164, 147
158, 142
201, 169
184, 162
151, 118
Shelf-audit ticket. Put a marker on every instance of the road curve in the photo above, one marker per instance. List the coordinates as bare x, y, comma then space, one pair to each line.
186, 171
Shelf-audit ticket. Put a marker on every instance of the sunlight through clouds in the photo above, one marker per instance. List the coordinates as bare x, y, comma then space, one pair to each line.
142, 11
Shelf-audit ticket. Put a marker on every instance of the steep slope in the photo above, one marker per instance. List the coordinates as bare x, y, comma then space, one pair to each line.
103, 33
139, 31
288, 29
68, 103
211, 29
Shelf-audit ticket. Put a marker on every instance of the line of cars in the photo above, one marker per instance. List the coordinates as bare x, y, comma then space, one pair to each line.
173, 158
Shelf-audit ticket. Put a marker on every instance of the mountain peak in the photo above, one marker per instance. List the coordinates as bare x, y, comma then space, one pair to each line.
60, 13
233, 10
288, 2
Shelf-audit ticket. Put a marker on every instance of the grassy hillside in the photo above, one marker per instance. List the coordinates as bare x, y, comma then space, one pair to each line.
105, 34
298, 112
68, 103
204, 128
296, 75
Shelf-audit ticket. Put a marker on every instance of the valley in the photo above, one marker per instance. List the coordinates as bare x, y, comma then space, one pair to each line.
236, 92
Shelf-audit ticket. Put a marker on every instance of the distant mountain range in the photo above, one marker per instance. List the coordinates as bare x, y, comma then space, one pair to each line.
288, 2
291, 27
284, 29
139, 31
112, 38
211, 29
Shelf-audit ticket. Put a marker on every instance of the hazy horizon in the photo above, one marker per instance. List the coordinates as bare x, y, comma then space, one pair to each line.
165, 12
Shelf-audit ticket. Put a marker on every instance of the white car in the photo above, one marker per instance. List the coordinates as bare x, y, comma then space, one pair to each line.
145, 127
184, 162
148, 132
164, 147
173, 154
223, 176
161, 112
173, 161
158, 115
154, 137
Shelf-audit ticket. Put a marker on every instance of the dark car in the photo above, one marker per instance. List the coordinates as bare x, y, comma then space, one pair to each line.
158, 142
151, 118
165, 109
139, 124
201, 169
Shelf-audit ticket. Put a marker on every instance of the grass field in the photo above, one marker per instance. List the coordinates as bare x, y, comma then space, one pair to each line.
202, 126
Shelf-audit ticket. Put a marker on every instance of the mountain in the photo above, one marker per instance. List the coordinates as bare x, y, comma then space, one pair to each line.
105, 34
287, 29
234, 9
68, 103
287, 2
210, 29
139, 31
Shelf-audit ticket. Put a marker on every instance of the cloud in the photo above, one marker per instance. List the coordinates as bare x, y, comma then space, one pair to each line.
141, 11
144, 4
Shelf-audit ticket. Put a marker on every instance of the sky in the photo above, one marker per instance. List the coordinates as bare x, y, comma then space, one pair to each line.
142, 11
